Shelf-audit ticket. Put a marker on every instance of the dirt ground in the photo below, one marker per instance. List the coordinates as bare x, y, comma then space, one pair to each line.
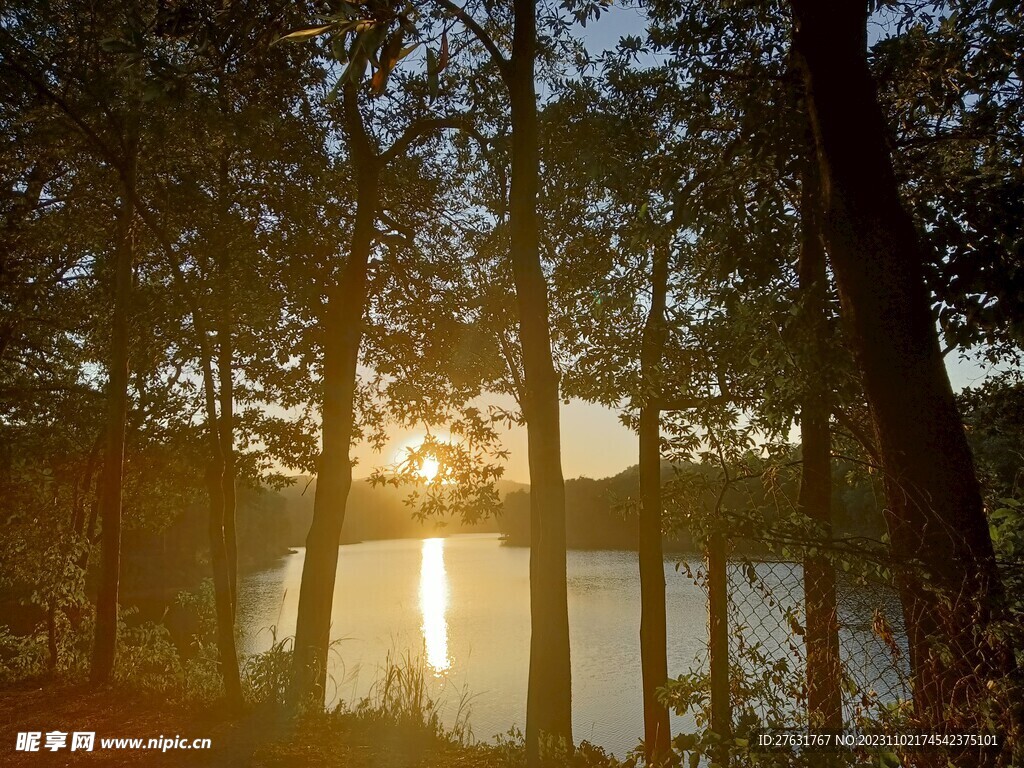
260, 739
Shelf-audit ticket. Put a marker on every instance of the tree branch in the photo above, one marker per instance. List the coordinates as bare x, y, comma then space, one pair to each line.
503, 64
846, 420
88, 131
417, 131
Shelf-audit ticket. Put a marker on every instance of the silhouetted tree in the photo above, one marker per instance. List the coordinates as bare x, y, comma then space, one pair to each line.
935, 513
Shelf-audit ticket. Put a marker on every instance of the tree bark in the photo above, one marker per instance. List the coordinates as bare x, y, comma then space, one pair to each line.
221, 581
219, 441
824, 702
653, 631
718, 642
225, 371
549, 696
946, 569
51, 636
227, 437
109, 492
216, 498
342, 335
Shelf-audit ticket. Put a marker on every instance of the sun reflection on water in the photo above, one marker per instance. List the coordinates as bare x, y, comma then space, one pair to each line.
434, 605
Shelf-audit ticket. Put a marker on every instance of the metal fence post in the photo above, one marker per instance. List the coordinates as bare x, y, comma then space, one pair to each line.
718, 645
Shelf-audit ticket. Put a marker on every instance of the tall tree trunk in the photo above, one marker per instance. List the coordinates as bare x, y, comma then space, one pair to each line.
824, 702
227, 447
549, 697
934, 513
109, 492
51, 635
225, 370
216, 470
342, 334
82, 494
219, 563
653, 632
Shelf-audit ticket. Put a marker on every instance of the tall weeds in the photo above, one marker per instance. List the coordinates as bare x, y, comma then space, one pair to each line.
402, 694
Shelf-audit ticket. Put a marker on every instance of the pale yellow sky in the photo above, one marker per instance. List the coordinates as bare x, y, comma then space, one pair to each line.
594, 442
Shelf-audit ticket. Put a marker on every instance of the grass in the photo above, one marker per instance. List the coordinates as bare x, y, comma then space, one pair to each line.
399, 724
402, 695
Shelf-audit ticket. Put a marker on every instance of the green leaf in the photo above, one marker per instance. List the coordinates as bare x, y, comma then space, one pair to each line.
433, 83
116, 45
303, 34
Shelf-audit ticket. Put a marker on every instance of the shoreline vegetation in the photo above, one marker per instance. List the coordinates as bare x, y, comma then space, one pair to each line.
396, 726
600, 515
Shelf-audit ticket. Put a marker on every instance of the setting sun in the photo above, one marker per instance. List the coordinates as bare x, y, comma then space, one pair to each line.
415, 454
429, 469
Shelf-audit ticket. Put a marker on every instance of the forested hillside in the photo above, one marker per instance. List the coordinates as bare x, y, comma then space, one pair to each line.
602, 514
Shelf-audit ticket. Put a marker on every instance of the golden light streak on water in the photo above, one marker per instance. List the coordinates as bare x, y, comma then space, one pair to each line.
434, 605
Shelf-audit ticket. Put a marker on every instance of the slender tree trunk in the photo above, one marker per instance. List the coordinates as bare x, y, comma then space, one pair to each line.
227, 437
215, 482
342, 335
225, 371
653, 632
90, 532
216, 469
51, 635
718, 643
219, 563
824, 702
109, 492
549, 697
82, 491
934, 513
81, 531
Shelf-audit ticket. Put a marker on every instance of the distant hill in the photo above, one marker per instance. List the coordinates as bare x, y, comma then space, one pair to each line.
598, 516
375, 512
597, 513
601, 514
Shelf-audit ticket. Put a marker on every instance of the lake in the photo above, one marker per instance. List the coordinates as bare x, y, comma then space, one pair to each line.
460, 606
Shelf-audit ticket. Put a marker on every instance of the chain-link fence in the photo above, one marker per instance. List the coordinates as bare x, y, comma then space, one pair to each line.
760, 678
767, 619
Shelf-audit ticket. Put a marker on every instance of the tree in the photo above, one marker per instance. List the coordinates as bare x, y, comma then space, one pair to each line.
824, 667
375, 32
953, 110
549, 696
105, 115
935, 513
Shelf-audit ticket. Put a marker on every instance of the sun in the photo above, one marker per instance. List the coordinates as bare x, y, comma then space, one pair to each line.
429, 469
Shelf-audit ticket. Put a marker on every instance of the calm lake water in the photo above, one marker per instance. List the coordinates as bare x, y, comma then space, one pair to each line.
460, 606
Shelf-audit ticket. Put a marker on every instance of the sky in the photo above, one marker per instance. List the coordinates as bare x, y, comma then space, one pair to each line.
595, 444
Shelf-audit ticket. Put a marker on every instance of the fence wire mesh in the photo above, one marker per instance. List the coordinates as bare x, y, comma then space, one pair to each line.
767, 621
